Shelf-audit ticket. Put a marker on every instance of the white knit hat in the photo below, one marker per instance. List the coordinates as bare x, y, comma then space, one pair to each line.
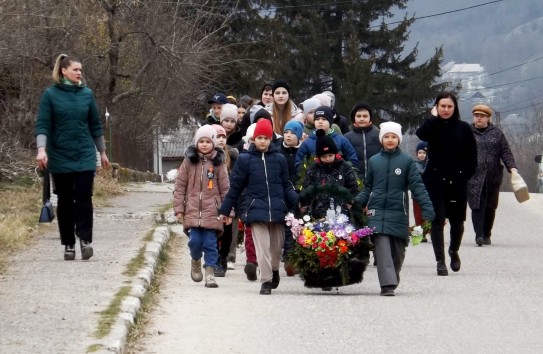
229, 110
206, 131
390, 127
310, 104
250, 132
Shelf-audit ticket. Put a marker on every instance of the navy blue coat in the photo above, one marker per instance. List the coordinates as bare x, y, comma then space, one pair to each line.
264, 177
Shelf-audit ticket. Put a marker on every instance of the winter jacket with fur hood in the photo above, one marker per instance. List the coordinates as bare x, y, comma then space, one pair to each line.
200, 188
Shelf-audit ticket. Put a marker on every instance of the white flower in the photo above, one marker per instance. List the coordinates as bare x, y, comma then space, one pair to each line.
417, 231
307, 218
171, 175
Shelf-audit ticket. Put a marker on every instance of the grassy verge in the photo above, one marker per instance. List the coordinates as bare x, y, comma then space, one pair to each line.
20, 205
150, 298
109, 315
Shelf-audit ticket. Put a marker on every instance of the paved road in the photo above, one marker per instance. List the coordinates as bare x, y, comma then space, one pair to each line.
48, 305
493, 305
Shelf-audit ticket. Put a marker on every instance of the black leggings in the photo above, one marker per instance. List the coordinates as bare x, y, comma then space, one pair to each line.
74, 207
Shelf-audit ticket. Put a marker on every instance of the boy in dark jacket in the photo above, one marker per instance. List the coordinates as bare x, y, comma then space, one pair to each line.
390, 173
263, 173
324, 118
364, 137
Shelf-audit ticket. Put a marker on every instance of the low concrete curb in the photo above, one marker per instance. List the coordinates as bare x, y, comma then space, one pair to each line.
115, 342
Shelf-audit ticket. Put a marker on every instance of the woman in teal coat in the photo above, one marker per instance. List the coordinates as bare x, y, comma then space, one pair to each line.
68, 133
390, 173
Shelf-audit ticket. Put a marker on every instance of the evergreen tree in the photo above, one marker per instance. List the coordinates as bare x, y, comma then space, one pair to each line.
335, 45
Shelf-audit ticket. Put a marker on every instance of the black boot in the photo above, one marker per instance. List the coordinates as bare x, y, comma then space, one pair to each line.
455, 261
442, 268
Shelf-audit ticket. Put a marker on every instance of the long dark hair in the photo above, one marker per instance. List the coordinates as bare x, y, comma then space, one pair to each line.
452, 96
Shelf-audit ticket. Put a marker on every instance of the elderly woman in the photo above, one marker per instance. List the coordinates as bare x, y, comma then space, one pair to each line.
484, 185
452, 158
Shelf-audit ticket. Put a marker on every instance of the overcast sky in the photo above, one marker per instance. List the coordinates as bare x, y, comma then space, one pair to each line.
496, 35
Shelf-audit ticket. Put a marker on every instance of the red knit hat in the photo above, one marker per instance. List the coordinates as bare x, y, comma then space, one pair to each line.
263, 127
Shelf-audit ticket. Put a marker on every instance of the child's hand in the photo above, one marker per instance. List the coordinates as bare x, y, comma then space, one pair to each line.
224, 219
303, 209
179, 217
348, 206
228, 221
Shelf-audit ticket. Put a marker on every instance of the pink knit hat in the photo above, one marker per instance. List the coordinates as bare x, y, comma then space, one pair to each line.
206, 131
220, 130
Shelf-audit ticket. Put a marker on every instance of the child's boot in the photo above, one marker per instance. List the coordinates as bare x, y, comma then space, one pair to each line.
196, 270
210, 278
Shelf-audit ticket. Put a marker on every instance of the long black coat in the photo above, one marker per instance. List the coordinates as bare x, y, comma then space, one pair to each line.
452, 159
492, 149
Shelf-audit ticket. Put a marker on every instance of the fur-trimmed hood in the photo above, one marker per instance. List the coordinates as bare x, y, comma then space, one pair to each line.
217, 155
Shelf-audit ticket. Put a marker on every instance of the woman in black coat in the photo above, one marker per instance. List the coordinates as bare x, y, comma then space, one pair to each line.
484, 185
452, 159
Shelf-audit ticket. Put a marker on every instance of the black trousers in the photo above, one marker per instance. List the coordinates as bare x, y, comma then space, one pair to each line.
483, 218
438, 238
74, 207
223, 244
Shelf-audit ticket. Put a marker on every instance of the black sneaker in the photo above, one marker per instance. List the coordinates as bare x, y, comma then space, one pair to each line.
250, 270
275, 279
266, 288
69, 252
479, 241
86, 250
486, 241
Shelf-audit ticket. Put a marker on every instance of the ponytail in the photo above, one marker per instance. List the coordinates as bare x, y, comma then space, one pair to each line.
63, 61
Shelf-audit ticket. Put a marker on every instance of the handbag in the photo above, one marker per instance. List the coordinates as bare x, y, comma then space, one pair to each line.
519, 187
47, 213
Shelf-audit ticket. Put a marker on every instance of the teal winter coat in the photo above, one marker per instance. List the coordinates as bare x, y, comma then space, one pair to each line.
390, 174
68, 116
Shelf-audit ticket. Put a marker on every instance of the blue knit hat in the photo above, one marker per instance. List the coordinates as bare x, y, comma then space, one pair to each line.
423, 145
296, 127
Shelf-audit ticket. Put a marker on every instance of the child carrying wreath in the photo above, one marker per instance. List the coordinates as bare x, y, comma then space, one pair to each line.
329, 251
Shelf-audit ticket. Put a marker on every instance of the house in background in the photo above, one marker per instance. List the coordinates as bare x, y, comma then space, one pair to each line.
169, 149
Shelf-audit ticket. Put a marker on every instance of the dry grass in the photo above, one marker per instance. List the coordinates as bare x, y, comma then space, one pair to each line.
19, 212
105, 186
20, 205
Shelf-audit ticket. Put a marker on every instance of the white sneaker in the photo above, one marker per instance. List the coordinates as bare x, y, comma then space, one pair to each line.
230, 266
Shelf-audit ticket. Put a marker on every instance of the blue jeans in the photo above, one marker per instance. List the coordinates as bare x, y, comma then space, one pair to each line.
204, 240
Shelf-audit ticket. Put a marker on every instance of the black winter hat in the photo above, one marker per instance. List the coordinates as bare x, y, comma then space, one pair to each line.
359, 106
262, 113
325, 144
326, 112
280, 83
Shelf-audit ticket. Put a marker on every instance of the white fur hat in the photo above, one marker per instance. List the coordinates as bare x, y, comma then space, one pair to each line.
229, 110
390, 127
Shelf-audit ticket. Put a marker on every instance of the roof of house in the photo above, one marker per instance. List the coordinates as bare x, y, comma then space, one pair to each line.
176, 142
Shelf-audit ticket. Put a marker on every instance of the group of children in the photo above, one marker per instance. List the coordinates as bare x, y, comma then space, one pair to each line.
215, 185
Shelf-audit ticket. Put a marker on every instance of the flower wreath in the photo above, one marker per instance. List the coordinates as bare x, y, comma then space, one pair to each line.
330, 251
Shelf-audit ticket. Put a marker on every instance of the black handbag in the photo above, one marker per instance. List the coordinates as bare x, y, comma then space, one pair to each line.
47, 213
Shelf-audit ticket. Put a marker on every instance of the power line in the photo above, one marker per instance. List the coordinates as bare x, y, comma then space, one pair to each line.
444, 13
506, 84
519, 108
502, 70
